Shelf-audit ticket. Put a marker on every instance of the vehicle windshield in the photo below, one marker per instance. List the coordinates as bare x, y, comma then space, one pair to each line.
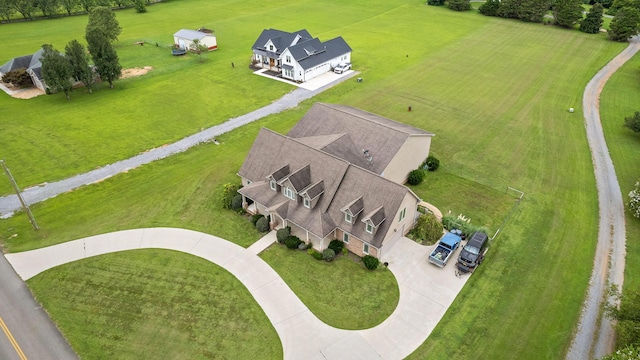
472, 249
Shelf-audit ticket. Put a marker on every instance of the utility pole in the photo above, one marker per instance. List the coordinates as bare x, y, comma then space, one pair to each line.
25, 207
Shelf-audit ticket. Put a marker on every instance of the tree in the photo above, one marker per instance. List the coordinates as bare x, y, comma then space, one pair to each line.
56, 70
80, 69
625, 24
627, 316
633, 122
48, 7
87, 5
198, 48
533, 10
103, 21
634, 200
509, 9
428, 228
69, 5
592, 23
24, 7
435, 2
140, 6
566, 13
490, 8
459, 5
104, 57
620, 4
6, 9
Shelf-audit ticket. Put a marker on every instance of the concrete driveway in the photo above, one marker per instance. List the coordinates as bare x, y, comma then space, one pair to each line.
426, 291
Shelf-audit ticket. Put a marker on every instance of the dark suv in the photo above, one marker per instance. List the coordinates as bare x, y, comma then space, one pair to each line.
471, 254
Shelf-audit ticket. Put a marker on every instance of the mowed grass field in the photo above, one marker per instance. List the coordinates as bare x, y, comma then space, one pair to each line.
495, 92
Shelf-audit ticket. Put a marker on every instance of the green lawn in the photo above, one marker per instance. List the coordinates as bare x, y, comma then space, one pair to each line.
331, 297
155, 304
619, 100
494, 91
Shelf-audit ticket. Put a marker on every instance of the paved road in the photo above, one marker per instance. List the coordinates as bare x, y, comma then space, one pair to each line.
595, 337
27, 324
426, 291
10, 203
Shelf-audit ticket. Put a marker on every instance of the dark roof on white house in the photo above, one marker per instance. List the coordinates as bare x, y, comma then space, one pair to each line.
312, 53
280, 39
347, 132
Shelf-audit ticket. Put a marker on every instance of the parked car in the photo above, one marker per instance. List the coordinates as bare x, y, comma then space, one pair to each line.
447, 245
472, 253
342, 68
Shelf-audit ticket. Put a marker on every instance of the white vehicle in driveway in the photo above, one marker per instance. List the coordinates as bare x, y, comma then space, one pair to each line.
342, 68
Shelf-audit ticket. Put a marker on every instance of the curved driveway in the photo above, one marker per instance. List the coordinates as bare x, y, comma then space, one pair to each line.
425, 291
595, 337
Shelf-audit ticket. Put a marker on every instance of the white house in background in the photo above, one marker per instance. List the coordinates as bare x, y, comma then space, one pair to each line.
184, 38
298, 56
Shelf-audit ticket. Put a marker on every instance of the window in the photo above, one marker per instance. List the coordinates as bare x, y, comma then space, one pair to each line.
270, 47
369, 228
289, 193
345, 237
348, 218
288, 58
307, 203
272, 185
402, 214
365, 248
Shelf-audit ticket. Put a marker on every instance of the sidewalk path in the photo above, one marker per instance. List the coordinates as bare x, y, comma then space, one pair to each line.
595, 337
426, 291
10, 203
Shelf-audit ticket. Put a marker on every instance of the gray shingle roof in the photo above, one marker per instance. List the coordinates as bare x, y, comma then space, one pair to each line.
355, 207
382, 137
280, 39
376, 217
315, 53
343, 185
30, 62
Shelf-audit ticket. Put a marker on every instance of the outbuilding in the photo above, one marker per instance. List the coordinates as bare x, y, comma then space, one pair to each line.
184, 39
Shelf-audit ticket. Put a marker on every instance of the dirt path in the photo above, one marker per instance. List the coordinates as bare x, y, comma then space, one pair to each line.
595, 336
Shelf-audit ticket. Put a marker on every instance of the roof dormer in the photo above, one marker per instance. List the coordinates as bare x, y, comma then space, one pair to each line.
352, 210
373, 219
299, 179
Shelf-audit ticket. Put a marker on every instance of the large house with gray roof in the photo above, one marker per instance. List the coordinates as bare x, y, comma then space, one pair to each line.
337, 174
298, 56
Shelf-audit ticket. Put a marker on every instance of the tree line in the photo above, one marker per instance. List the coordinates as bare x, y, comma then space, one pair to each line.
564, 13
60, 71
32, 9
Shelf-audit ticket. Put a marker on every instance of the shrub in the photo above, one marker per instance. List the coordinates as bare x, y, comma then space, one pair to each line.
292, 242
459, 5
415, 177
435, 2
262, 224
428, 228
336, 246
634, 200
229, 191
328, 255
236, 202
633, 122
140, 6
316, 254
255, 218
303, 246
283, 234
489, 8
370, 262
432, 163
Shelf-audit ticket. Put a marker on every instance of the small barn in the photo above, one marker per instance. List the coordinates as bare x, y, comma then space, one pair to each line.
31, 64
184, 38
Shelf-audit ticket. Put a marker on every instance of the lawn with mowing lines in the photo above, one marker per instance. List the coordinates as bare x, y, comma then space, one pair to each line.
620, 99
152, 304
362, 300
496, 93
